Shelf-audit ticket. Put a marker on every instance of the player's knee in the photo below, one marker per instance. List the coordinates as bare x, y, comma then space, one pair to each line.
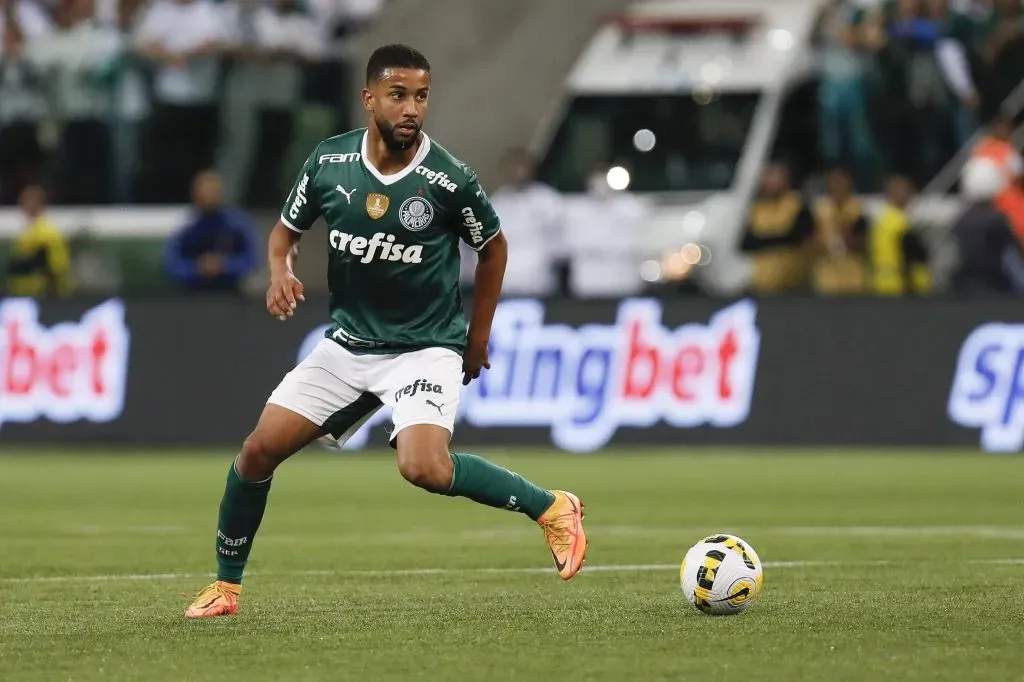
430, 469
259, 457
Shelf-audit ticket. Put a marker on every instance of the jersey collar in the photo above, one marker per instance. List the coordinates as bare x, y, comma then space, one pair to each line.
421, 154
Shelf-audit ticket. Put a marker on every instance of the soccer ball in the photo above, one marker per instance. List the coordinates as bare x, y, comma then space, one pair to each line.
721, 575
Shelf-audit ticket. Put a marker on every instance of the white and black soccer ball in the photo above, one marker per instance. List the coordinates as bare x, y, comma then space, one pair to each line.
721, 575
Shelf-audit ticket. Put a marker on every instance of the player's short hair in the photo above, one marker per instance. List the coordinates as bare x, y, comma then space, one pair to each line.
394, 57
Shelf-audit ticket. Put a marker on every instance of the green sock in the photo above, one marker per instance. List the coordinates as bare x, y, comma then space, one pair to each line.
241, 510
495, 486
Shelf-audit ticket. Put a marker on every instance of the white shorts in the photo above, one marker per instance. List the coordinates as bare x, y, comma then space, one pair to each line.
339, 390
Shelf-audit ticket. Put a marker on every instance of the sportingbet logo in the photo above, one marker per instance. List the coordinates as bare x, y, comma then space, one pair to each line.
476, 228
300, 197
988, 388
584, 383
436, 178
379, 246
73, 370
587, 382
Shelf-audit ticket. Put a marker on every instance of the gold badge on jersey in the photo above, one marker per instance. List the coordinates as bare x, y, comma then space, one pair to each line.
376, 205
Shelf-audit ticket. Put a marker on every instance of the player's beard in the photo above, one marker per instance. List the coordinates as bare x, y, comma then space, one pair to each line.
387, 133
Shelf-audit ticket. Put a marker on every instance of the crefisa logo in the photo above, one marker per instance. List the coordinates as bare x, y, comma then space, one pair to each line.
584, 383
70, 371
988, 387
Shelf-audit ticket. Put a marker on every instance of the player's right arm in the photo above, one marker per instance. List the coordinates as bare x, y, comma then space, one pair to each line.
300, 211
285, 291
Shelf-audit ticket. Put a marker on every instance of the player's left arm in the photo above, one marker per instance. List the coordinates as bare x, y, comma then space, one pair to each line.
490, 271
478, 225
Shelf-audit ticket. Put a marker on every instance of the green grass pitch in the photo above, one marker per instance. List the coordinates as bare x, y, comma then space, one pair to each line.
879, 566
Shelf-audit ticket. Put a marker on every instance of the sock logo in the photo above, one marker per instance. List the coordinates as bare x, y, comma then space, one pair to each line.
418, 386
232, 542
512, 503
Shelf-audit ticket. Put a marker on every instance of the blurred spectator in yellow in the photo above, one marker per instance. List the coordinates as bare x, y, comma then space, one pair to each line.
40, 264
216, 249
779, 235
840, 237
997, 147
989, 257
898, 258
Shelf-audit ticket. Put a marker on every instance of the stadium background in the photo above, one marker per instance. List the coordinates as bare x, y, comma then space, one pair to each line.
826, 364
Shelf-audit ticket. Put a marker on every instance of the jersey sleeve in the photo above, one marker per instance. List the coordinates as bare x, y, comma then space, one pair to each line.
302, 208
476, 220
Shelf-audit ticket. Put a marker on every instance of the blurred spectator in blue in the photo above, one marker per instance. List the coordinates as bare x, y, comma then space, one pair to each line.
845, 129
76, 61
184, 40
216, 249
923, 130
23, 104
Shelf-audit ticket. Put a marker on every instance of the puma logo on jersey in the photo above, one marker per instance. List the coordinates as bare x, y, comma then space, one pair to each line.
435, 178
476, 228
380, 247
348, 195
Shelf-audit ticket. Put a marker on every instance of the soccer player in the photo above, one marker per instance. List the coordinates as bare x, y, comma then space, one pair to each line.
395, 204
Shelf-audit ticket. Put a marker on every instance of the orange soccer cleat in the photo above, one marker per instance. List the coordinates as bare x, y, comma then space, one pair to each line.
218, 599
563, 530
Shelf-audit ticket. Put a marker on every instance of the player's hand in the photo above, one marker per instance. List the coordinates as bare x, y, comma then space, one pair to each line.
474, 360
284, 294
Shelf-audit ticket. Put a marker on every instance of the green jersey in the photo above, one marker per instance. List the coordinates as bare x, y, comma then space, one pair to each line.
394, 242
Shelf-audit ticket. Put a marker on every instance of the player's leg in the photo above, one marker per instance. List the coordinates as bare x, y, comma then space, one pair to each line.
309, 403
424, 389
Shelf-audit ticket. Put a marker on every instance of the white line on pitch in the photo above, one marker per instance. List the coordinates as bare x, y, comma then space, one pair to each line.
370, 573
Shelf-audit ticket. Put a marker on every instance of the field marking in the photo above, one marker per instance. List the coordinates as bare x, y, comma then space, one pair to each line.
385, 573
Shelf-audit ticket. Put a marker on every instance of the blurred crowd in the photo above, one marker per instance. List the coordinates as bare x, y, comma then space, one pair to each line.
904, 84
130, 101
124, 101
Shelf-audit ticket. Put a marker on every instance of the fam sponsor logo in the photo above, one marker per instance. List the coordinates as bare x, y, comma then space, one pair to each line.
67, 372
380, 247
339, 158
585, 383
475, 227
440, 179
988, 386
417, 387
300, 197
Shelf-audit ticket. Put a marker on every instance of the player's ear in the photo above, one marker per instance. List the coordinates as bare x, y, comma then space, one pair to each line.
367, 99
